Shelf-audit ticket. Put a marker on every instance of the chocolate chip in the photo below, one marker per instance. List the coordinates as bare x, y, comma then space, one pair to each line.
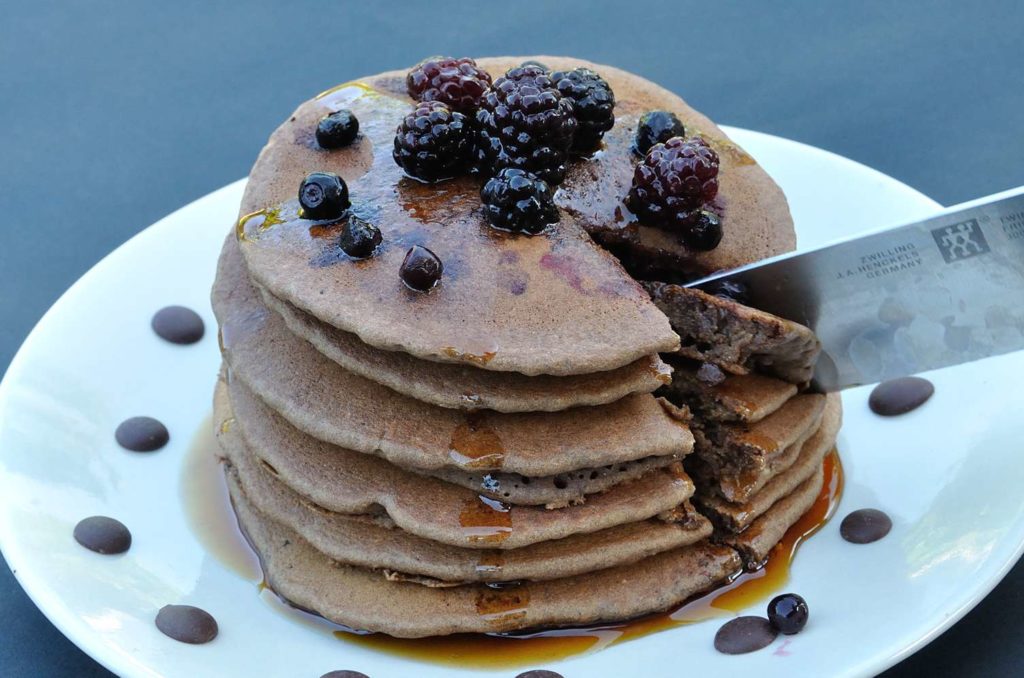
141, 434
710, 374
178, 325
344, 674
899, 396
539, 673
421, 269
865, 526
186, 624
745, 634
103, 535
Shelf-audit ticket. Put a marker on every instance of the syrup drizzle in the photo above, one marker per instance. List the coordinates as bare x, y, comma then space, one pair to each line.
209, 512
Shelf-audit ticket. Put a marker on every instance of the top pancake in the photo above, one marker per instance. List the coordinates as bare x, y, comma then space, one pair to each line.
552, 304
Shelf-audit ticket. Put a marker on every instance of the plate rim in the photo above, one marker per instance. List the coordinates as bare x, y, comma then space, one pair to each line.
61, 616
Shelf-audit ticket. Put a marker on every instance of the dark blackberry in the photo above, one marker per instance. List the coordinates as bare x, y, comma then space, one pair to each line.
421, 269
433, 142
323, 195
705, 232
527, 124
656, 127
337, 129
673, 181
359, 239
518, 201
457, 83
593, 105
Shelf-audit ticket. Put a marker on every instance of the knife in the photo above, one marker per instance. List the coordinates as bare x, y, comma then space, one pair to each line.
942, 291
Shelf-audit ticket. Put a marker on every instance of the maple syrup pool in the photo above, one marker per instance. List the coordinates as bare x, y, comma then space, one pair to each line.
208, 508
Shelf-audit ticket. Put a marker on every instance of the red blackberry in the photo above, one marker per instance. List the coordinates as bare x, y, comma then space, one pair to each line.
515, 200
458, 83
593, 104
527, 124
673, 181
434, 143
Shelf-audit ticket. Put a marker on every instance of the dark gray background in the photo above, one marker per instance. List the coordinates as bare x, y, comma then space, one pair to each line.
113, 114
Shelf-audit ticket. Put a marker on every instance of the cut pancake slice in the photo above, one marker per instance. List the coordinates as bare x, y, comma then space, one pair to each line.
745, 398
737, 338
363, 599
319, 397
465, 386
736, 517
367, 541
757, 541
350, 482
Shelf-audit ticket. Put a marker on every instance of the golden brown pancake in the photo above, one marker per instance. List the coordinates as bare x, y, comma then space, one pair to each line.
369, 541
366, 600
344, 481
465, 386
554, 304
317, 396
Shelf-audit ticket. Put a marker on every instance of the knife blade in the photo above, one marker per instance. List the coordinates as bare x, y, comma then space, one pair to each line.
942, 291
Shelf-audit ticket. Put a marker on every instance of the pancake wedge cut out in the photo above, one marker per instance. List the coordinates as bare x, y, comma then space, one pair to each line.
350, 482
364, 599
319, 397
466, 386
553, 304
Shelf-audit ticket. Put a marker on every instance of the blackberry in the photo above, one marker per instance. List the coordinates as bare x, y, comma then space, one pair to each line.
525, 123
323, 195
673, 181
705, 232
337, 129
593, 104
421, 269
433, 142
656, 127
518, 201
359, 239
457, 83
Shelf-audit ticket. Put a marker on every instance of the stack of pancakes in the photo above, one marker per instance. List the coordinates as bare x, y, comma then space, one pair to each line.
510, 450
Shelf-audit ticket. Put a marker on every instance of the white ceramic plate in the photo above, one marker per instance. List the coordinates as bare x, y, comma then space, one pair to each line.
949, 474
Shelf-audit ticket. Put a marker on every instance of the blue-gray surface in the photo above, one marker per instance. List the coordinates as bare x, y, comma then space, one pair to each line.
113, 114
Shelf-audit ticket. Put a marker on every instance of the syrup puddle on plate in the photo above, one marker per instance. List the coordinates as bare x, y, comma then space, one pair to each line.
209, 512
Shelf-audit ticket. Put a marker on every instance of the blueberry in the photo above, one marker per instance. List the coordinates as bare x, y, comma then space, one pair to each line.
360, 238
421, 269
323, 195
705, 233
788, 613
337, 129
656, 127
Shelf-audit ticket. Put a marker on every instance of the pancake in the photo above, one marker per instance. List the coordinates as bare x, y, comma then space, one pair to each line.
465, 386
737, 338
329, 403
367, 541
736, 517
555, 304
756, 542
365, 600
746, 398
744, 447
344, 481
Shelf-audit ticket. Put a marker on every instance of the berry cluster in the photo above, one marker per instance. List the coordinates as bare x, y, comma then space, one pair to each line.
527, 124
593, 104
457, 83
672, 184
